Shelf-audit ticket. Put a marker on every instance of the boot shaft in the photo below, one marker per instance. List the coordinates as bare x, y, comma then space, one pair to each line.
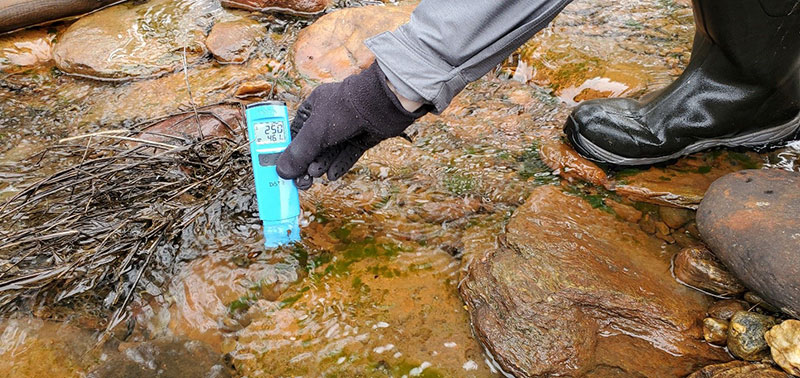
759, 37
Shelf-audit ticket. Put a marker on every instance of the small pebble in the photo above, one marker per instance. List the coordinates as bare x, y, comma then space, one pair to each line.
674, 217
724, 309
699, 268
470, 365
715, 331
746, 335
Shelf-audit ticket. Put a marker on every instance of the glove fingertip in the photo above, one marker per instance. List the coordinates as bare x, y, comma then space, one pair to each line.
304, 182
287, 167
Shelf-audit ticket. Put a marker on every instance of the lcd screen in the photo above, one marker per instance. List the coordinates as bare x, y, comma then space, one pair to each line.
269, 132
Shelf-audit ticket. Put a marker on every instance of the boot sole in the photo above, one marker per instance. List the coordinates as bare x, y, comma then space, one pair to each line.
760, 138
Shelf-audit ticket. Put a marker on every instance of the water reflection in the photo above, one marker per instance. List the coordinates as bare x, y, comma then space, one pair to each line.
587, 53
787, 158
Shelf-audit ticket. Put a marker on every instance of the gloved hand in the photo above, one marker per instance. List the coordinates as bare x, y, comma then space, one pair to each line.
338, 122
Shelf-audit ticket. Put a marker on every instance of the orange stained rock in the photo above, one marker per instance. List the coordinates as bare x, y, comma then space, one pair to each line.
571, 165
572, 291
332, 48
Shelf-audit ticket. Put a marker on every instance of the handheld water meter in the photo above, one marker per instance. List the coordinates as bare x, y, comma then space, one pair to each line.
278, 202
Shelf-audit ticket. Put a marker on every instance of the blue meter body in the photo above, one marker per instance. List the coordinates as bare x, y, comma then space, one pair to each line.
278, 202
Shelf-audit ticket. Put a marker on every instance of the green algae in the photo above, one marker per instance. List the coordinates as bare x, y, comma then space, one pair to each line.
596, 196
384, 271
531, 166
744, 159
458, 182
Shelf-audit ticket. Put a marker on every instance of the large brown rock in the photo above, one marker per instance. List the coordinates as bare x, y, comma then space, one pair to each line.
573, 291
25, 49
234, 41
749, 219
136, 40
296, 7
332, 48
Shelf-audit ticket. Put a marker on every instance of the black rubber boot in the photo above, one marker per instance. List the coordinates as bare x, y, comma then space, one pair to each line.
741, 88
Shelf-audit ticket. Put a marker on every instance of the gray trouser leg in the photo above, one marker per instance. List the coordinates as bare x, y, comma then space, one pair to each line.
450, 43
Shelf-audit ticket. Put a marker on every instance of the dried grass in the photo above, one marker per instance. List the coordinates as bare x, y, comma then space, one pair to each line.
94, 227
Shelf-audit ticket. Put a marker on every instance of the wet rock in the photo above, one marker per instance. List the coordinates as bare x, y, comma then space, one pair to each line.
449, 210
563, 159
210, 84
715, 331
746, 335
136, 40
223, 120
725, 308
784, 343
685, 239
30, 347
296, 7
210, 291
679, 186
258, 88
684, 183
749, 220
25, 49
675, 217
332, 48
577, 65
663, 232
648, 224
234, 41
573, 290
628, 213
756, 300
168, 357
373, 305
697, 267
739, 369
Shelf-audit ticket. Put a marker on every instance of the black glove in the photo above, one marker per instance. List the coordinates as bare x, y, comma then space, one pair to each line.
338, 122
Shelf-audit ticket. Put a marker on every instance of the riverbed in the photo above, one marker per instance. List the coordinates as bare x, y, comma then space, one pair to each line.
372, 289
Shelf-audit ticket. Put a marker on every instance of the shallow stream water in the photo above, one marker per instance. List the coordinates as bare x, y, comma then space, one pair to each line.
372, 288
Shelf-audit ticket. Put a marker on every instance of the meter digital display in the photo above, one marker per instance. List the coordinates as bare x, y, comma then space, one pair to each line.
269, 132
